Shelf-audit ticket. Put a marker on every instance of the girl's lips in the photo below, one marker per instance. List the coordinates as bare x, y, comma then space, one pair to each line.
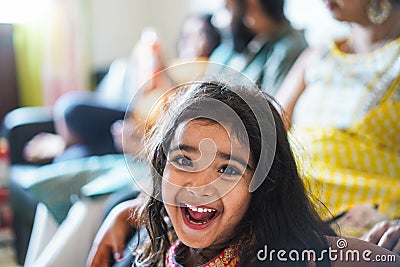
198, 217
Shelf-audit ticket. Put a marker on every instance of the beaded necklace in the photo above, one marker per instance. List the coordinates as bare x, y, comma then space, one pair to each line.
229, 257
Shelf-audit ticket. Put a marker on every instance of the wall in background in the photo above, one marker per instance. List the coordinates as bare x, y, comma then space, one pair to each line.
116, 26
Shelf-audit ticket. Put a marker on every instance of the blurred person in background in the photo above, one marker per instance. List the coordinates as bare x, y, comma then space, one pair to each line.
263, 44
343, 102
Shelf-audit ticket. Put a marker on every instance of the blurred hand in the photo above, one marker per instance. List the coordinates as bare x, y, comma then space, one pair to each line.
385, 234
44, 147
110, 239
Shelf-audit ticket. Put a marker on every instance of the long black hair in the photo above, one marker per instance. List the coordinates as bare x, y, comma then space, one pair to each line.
280, 215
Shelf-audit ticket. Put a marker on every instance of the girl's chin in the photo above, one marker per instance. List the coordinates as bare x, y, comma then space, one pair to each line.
204, 244
195, 243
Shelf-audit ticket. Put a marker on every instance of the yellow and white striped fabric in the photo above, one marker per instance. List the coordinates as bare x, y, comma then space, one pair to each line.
346, 169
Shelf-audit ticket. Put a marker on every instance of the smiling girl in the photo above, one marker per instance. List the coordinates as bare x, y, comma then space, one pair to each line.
225, 185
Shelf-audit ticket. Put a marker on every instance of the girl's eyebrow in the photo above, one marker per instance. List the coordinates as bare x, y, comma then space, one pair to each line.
228, 156
222, 155
184, 147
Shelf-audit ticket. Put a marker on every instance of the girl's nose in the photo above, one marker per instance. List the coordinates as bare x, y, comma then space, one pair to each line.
202, 195
204, 191
201, 184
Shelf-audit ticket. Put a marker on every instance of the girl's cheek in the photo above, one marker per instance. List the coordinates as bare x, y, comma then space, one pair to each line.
168, 175
229, 187
169, 186
174, 176
167, 194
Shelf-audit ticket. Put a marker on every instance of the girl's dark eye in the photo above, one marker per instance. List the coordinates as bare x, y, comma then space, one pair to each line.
229, 170
183, 161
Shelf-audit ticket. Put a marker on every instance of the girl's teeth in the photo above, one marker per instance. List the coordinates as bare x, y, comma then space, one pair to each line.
195, 209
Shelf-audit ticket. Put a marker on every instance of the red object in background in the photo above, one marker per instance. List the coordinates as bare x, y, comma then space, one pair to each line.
4, 162
3, 194
5, 211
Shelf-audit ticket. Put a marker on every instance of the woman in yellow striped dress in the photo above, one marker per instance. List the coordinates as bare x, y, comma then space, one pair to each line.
344, 104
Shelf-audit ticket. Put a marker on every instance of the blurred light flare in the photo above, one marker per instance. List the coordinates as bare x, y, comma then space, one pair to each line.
24, 11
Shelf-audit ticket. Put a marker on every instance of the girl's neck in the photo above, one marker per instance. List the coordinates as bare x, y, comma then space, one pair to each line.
367, 38
190, 257
195, 257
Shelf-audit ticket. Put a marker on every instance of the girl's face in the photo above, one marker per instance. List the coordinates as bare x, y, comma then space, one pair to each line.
348, 10
205, 183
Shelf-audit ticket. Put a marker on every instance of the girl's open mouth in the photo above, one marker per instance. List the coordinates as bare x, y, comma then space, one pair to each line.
198, 217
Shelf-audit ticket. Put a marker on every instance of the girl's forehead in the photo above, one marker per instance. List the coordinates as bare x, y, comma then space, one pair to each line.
203, 126
197, 130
